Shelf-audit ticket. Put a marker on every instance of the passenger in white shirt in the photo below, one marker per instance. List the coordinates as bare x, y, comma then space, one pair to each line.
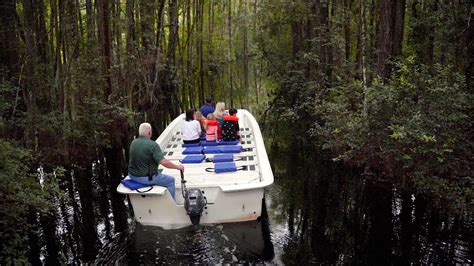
190, 128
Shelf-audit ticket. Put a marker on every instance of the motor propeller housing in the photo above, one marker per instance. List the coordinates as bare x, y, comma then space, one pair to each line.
194, 203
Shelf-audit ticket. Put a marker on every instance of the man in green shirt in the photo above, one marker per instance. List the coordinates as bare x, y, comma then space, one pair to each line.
145, 155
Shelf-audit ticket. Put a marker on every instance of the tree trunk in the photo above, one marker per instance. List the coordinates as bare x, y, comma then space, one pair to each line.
106, 48
246, 58
398, 27
189, 62
41, 34
172, 90
9, 54
114, 153
130, 48
210, 30
90, 21
469, 44
200, 19
229, 52
385, 38
347, 30
326, 51
255, 65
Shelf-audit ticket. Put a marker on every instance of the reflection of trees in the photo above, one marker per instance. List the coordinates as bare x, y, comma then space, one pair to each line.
336, 216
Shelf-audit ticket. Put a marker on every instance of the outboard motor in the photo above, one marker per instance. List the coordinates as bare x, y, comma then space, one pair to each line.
194, 202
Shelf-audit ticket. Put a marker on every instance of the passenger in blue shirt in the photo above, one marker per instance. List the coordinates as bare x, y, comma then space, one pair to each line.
207, 108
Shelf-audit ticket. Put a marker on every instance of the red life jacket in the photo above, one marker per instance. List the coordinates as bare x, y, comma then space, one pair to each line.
212, 123
231, 118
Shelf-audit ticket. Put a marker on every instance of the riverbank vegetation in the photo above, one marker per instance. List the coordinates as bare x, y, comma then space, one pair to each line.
385, 86
380, 85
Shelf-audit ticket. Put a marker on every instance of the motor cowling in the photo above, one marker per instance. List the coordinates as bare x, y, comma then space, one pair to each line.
194, 203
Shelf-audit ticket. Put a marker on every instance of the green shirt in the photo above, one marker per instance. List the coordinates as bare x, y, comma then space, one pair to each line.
145, 156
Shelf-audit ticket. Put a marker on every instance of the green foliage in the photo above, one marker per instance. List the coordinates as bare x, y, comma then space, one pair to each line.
21, 195
416, 126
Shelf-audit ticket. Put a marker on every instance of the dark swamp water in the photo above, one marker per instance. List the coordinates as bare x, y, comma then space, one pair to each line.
315, 213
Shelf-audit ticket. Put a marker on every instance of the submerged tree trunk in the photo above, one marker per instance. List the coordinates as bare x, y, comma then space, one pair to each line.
34, 251
380, 224
90, 241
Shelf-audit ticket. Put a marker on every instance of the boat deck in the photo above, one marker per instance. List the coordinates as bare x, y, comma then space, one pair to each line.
196, 174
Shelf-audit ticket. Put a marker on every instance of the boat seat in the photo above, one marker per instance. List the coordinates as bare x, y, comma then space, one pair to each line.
225, 167
155, 190
222, 149
185, 145
193, 150
193, 159
179, 156
220, 158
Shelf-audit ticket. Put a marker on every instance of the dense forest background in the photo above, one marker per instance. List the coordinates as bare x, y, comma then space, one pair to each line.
383, 86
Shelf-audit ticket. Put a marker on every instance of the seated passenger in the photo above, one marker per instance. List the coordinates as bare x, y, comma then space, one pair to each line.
219, 113
202, 121
207, 108
190, 128
212, 128
230, 130
145, 156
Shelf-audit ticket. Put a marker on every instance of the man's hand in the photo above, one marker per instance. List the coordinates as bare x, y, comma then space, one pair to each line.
169, 164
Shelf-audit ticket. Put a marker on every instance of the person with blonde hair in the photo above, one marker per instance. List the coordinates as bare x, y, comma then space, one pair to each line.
219, 114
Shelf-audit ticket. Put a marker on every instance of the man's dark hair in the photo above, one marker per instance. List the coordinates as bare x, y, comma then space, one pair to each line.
232, 111
190, 115
209, 99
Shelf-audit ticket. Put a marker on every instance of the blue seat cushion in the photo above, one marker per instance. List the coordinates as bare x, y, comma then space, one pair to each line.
220, 158
193, 150
225, 167
222, 149
193, 159
133, 185
212, 149
230, 149
209, 143
235, 142
185, 145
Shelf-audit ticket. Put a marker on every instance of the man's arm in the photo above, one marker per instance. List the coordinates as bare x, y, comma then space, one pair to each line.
169, 164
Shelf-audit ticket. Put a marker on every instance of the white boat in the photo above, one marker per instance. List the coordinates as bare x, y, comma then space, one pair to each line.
231, 197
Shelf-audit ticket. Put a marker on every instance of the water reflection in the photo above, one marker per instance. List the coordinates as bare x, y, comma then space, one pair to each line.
337, 217
318, 212
247, 242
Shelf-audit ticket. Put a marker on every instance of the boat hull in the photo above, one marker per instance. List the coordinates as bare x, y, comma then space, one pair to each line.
161, 210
